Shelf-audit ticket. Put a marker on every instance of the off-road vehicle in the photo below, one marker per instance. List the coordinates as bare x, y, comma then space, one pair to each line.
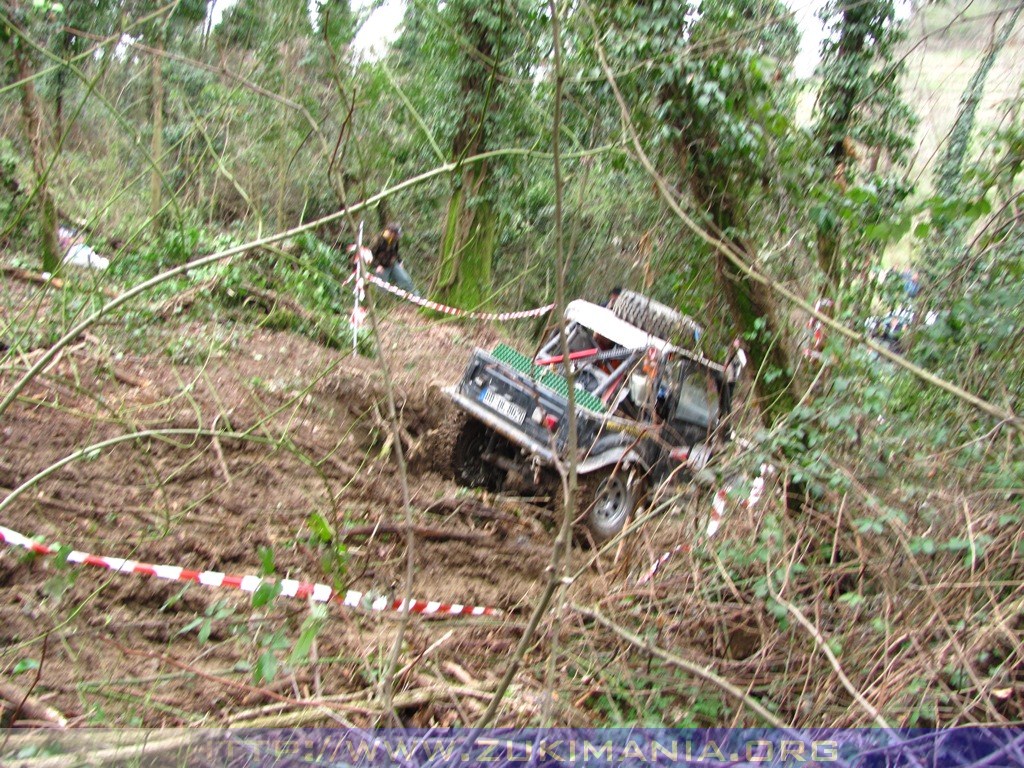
647, 408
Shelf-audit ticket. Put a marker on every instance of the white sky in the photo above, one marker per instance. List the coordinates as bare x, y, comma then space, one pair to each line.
383, 26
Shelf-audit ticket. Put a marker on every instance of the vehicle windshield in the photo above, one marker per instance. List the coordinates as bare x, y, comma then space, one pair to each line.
694, 395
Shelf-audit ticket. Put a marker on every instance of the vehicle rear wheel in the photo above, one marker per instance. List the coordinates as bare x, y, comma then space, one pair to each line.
468, 465
606, 501
655, 318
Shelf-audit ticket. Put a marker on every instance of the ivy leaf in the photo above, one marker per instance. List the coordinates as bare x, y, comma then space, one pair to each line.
852, 599
877, 231
266, 555
310, 629
61, 559
25, 665
319, 527
980, 207
861, 196
265, 593
922, 546
902, 227
265, 669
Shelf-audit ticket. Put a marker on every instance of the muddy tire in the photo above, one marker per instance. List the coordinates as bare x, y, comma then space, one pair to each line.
468, 467
606, 501
654, 317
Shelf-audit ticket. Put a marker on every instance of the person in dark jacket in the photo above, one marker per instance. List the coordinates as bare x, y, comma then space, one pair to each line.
613, 296
387, 263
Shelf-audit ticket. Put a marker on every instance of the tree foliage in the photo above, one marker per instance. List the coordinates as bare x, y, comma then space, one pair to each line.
863, 127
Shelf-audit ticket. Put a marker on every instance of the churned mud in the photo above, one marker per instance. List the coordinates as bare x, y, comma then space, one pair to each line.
237, 457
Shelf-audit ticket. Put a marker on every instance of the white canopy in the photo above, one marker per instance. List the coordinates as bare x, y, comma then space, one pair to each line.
603, 321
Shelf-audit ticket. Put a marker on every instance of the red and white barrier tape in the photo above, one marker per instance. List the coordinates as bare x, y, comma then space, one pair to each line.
362, 259
454, 311
303, 590
718, 505
660, 562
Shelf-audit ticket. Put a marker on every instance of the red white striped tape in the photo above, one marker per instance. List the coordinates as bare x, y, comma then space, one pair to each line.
454, 311
717, 511
660, 562
303, 590
718, 507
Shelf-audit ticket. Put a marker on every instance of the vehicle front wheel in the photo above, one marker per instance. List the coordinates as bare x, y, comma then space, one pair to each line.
606, 502
468, 465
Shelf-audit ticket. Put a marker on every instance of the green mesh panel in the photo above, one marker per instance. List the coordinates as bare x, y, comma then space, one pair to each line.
545, 378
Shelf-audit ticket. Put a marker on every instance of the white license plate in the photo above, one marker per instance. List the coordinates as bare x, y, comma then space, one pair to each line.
506, 408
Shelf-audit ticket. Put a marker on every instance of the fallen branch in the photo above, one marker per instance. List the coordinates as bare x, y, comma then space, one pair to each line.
29, 276
223, 681
219, 452
823, 646
134, 753
181, 301
420, 531
270, 299
21, 703
38, 278
127, 378
359, 703
25, 704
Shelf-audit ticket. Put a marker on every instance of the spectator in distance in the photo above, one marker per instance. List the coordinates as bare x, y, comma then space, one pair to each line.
387, 263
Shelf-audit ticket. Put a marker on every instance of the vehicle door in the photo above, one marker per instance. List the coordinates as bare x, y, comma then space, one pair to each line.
690, 406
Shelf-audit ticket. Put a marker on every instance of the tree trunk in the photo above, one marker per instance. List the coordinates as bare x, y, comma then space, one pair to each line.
842, 96
285, 51
467, 251
949, 168
32, 114
755, 314
946, 243
754, 309
156, 147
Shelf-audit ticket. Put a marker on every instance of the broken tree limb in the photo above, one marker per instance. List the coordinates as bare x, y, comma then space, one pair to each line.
420, 531
29, 276
26, 707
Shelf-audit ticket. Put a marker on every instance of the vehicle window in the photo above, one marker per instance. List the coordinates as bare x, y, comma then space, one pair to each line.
693, 405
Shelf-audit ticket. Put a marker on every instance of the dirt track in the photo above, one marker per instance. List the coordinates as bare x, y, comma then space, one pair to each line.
312, 439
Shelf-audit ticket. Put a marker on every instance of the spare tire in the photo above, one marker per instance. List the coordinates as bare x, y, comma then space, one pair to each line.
656, 318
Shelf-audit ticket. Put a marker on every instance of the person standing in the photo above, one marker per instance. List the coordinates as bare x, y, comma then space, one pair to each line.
613, 296
735, 362
387, 263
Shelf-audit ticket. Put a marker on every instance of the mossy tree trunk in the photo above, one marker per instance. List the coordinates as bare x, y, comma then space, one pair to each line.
472, 221
756, 316
467, 249
840, 97
156, 145
859, 109
756, 313
32, 116
947, 241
